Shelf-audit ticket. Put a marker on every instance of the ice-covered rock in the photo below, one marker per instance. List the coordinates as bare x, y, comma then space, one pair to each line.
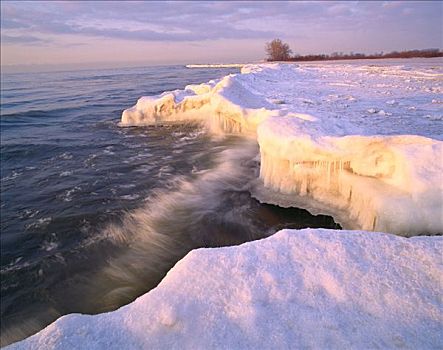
328, 155
297, 289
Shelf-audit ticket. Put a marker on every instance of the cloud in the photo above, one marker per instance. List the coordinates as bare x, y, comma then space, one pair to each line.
12, 24
22, 39
407, 11
191, 20
177, 21
145, 27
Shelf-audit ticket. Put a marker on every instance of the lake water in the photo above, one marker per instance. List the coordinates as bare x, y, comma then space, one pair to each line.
94, 215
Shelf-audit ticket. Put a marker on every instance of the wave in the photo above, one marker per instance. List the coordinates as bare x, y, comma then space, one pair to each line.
197, 212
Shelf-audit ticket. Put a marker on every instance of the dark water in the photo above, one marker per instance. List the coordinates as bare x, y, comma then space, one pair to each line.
94, 215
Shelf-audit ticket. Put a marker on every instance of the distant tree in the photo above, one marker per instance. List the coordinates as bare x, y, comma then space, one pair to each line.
277, 50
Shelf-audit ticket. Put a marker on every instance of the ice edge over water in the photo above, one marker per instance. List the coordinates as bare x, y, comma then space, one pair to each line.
310, 288
338, 164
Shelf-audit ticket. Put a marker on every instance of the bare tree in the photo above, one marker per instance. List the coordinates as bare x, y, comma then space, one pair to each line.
277, 50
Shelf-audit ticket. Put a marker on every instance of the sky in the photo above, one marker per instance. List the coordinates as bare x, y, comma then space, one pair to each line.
125, 33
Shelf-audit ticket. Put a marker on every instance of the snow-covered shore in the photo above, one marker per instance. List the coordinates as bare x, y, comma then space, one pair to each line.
359, 142
297, 289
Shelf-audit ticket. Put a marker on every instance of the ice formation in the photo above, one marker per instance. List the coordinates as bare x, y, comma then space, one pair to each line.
359, 141
391, 184
294, 290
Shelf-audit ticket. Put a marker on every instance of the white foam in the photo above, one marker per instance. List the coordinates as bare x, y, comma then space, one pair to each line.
65, 156
66, 173
28, 213
129, 185
145, 168
15, 174
49, 246
68, 194
130, 197
39, 223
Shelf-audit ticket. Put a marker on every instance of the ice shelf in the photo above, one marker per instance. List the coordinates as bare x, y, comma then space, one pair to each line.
359, 141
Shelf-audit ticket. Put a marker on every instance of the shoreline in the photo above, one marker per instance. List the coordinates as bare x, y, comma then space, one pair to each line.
332, 60
320, 282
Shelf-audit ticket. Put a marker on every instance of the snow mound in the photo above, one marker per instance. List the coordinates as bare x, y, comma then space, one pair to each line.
341, 139
297, 289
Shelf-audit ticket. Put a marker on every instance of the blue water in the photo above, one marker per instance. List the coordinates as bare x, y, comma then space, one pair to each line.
84, 201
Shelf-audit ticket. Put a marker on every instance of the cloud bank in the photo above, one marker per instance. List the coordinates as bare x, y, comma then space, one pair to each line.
312, 27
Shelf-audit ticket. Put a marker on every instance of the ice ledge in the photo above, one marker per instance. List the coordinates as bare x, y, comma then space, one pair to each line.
310, 288
319, 144
379, 183
228, 105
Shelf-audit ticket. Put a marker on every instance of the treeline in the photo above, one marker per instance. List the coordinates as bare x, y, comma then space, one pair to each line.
277, 50
354, 56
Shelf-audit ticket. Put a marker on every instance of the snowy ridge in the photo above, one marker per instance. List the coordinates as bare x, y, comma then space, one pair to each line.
296, 289
336, 138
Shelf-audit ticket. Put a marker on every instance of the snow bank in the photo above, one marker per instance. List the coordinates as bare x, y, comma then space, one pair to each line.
359, 141
297, 289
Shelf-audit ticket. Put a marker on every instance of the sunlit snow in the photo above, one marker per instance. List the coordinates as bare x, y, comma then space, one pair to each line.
298, 289
360, 141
